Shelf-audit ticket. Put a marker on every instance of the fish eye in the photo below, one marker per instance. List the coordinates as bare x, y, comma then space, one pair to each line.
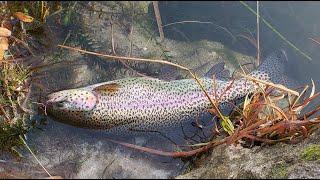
61, 104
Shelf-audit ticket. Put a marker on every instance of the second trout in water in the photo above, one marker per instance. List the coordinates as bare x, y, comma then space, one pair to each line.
150, 104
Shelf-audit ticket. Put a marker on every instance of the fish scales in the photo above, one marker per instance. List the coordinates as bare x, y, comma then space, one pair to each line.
150, 104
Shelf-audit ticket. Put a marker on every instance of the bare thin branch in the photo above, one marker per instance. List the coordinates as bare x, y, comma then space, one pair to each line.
158, 17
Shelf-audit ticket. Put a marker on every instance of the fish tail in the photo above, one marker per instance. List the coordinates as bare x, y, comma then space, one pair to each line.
276, 66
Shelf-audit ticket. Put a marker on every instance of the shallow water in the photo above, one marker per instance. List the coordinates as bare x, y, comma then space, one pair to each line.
73, 152
296, 21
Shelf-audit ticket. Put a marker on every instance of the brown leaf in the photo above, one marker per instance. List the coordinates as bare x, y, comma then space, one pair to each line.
4, 32
4, 45
1, 55
23, 17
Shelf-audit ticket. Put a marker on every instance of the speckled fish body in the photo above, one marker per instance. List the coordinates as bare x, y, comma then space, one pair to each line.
150, 104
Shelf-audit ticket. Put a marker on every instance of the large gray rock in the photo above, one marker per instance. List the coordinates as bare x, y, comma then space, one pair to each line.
278, 161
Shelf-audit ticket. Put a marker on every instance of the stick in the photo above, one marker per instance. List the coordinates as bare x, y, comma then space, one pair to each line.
158, 17
24, 142
258, 35
279, 86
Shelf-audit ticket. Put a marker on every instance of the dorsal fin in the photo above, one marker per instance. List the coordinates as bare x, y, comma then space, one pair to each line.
218, 71
225, 74
107, 88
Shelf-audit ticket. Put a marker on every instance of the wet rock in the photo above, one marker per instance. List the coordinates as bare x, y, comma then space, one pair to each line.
277, 161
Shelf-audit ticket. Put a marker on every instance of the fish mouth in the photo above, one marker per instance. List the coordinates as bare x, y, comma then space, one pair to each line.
44, 108
54, 100
49, 103
50, 98
52, 103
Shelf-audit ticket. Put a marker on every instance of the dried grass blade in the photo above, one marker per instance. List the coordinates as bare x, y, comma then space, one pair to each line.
278, 86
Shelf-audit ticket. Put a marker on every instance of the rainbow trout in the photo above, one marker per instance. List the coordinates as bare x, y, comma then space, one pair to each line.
142, 103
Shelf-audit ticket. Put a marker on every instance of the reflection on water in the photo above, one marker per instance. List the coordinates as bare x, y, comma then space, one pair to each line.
297, 21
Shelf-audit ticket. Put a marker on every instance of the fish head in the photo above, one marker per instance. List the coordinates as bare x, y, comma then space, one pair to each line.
71, 106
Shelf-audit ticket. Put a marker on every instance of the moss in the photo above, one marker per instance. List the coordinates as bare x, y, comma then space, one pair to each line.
11, 120
311, 153
14, 77
10, 141
69, 17
228, 55
279, 171
246, 175
150, 55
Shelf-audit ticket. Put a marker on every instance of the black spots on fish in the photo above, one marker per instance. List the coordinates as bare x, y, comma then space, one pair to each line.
265, 76
95, 121
163, 114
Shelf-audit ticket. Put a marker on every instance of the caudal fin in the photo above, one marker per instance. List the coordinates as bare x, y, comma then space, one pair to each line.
276, 65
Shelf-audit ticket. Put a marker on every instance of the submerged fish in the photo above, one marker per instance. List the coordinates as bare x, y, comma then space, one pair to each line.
151, 104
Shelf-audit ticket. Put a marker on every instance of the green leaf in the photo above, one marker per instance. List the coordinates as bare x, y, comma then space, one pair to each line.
227, 125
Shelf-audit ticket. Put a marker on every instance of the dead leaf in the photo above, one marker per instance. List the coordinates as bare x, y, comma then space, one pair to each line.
4, 32
1, 55
4, 45
23, 17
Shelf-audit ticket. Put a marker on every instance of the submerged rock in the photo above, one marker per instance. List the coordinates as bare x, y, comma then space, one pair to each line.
96, 31
72, 152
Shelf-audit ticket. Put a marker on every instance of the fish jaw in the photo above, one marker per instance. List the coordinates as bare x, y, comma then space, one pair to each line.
75, 99
71, 106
